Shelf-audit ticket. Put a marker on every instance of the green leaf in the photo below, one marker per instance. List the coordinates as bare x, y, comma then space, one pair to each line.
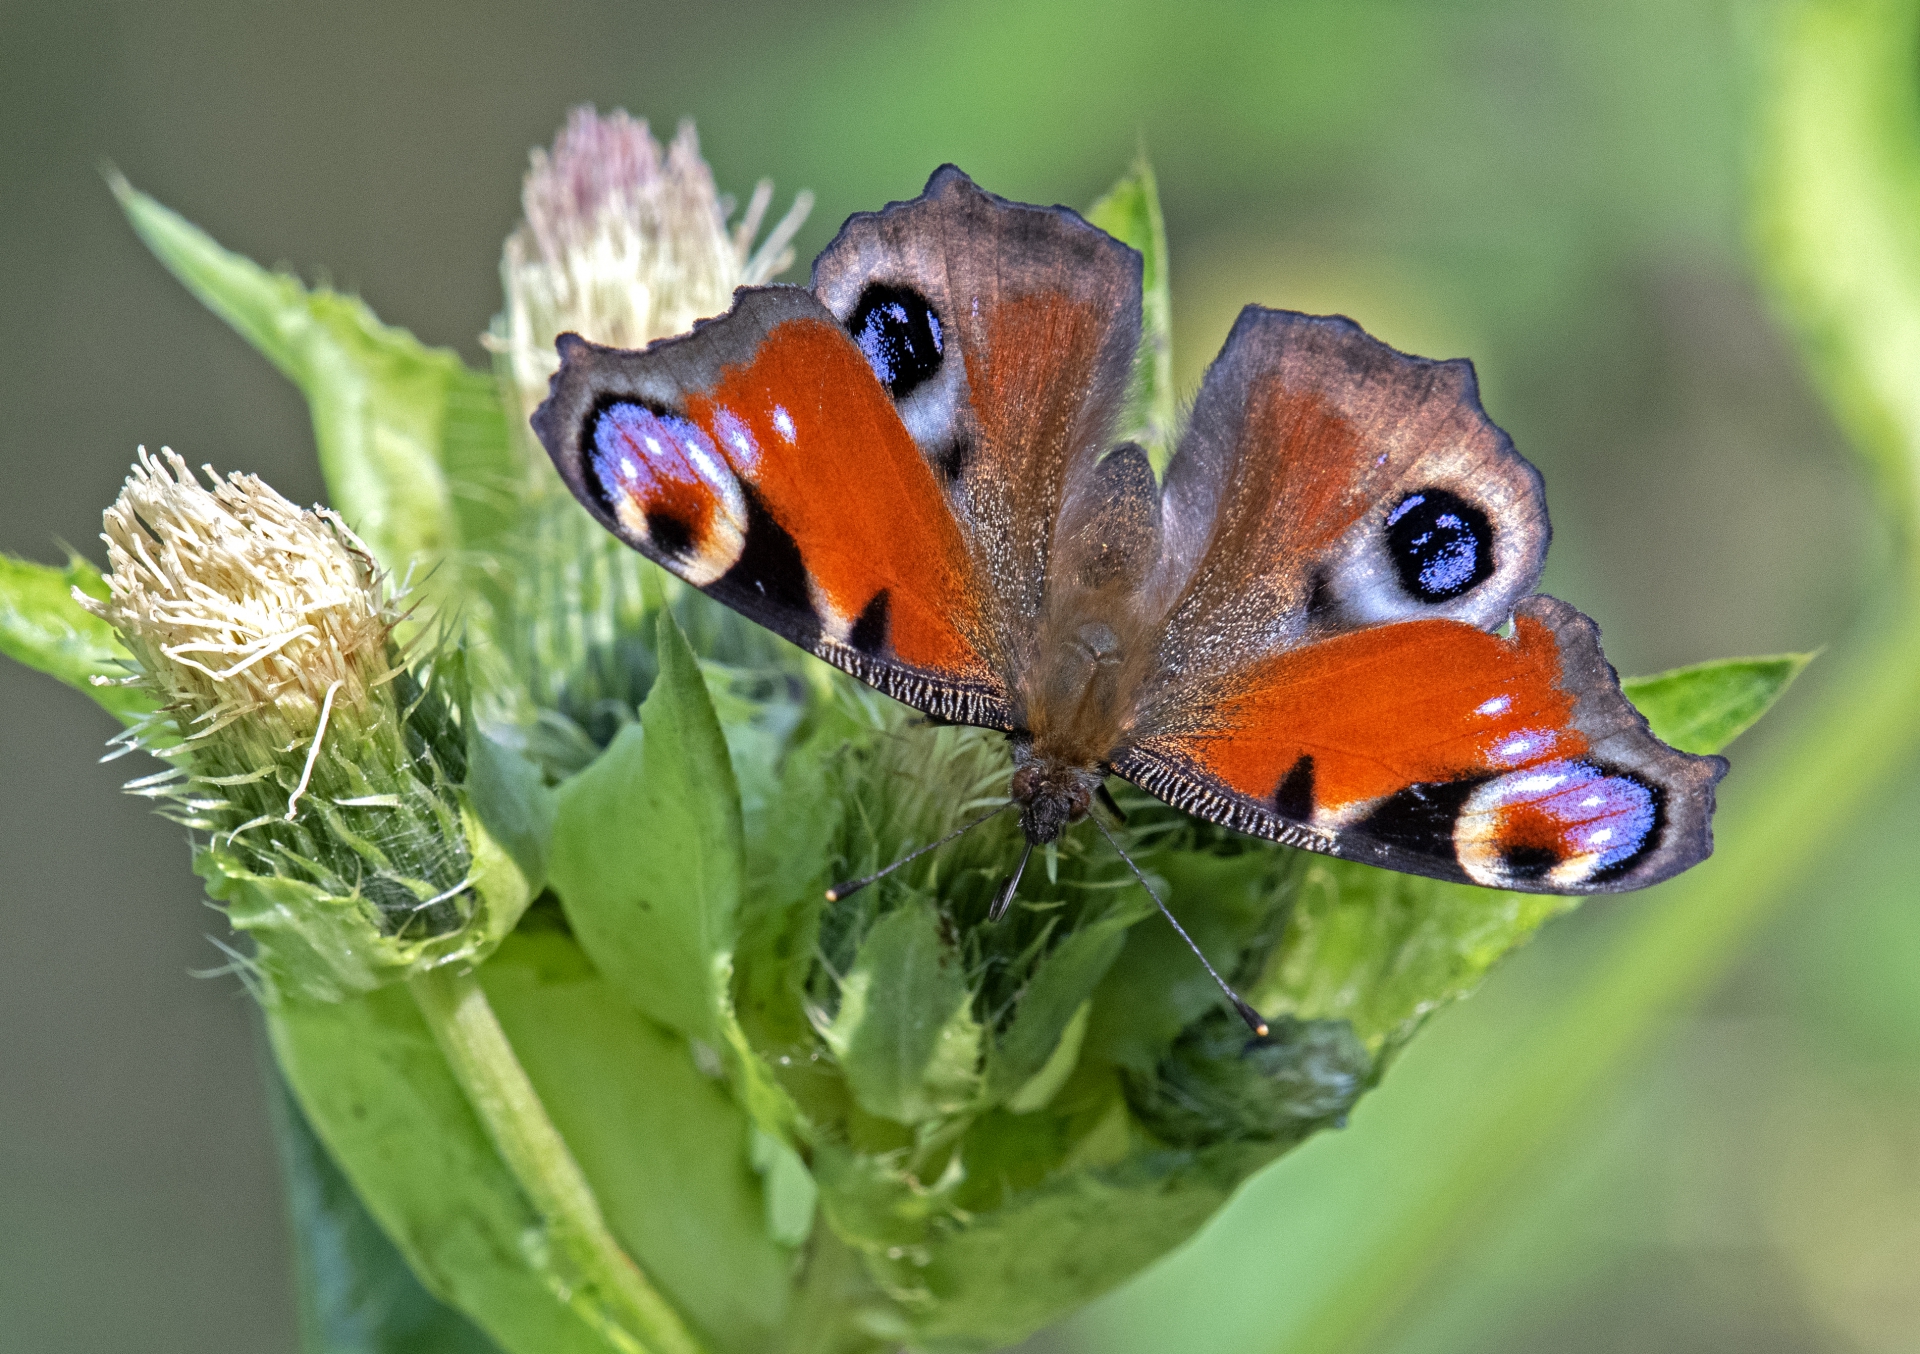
1130, 212
666, 1149
788, 1187
42, 626
905, 1034
512, 801
648, 855
1038, 1090
1704, 707
413, 444
356, 1294
1056, 1001
379, 1094
1383, 950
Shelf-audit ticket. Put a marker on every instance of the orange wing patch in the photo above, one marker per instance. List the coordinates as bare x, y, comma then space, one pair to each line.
810, 429
1379, 710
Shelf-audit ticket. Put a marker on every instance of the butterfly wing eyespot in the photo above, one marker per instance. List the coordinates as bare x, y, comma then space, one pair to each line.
660, 476
900, 333
1560, 825
1441, 545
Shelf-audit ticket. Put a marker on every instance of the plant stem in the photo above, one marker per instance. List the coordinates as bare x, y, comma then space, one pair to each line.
585, 1262
1866, 729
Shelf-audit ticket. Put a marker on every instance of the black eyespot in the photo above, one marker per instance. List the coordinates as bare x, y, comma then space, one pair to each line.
1441, 544
900, 334
670, 535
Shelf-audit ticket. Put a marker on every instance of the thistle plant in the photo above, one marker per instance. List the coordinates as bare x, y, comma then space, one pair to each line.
532, 866
322, 770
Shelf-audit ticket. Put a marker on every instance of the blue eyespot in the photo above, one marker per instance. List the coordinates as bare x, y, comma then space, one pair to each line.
900, 334
1441, 545
1528, 824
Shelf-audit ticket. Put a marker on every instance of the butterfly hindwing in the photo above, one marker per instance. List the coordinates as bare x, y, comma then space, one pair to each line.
1436, 748
759, 459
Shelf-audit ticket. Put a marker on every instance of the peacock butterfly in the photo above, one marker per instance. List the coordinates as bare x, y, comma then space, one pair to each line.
1319, 628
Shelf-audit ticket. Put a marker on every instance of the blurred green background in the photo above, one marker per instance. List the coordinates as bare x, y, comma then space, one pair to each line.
1556, 190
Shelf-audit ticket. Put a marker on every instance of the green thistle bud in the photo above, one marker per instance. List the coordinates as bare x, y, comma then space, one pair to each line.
324, 766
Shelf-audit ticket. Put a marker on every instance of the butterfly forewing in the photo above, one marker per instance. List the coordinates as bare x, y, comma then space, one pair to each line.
759, 459
1006, 334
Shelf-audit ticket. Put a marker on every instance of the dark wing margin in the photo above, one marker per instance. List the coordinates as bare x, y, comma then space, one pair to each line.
1434, 748
760, 460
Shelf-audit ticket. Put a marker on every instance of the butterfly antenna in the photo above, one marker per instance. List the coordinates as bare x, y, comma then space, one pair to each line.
1005, 898
853, 886
1247, 1013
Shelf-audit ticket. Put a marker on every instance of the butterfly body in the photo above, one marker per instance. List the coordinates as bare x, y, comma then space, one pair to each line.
1316, 628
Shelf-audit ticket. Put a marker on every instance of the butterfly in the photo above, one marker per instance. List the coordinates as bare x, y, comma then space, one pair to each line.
1319, 628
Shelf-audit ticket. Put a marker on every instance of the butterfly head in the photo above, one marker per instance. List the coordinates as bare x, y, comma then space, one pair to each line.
1052, 795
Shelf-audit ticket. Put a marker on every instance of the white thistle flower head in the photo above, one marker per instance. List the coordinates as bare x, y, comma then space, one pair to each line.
625, 242
240, 605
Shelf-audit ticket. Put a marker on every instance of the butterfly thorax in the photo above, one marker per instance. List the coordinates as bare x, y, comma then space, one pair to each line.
1074, 705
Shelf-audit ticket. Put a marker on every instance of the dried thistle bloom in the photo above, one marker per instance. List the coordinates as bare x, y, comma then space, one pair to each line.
325, 767
238, 603
625, 242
